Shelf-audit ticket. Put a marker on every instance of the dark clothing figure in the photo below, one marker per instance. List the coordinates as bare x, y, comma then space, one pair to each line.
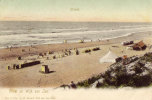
73, 85
77, 52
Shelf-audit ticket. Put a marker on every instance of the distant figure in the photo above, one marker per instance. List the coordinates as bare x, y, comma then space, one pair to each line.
77, 52
23, 50
73, 85
10, 48
69, 52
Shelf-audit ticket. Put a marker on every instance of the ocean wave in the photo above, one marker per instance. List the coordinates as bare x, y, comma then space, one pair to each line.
46, 35
128, 34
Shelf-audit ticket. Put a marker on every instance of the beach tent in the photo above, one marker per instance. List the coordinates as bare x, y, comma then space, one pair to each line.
109, 57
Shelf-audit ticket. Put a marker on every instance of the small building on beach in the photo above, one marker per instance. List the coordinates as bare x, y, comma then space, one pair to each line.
139, 46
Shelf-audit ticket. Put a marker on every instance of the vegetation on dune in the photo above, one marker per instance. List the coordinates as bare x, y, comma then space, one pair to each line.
133, 72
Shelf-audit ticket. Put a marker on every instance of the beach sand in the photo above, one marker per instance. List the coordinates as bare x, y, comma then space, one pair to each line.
66, 69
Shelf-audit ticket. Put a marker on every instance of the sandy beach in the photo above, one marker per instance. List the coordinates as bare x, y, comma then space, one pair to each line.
64, 69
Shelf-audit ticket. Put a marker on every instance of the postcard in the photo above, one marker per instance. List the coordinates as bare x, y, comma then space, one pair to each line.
75, 49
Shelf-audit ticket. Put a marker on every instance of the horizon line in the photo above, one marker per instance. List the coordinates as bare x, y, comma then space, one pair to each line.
75, 21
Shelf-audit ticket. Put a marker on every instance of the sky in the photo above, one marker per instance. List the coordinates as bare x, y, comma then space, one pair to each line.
76, 10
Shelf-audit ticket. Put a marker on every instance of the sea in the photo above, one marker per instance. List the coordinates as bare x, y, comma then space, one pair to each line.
26, 33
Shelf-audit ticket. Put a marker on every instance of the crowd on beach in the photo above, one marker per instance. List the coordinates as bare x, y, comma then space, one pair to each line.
50, 55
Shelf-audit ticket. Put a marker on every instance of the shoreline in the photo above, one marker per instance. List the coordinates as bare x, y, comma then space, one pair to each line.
76, 41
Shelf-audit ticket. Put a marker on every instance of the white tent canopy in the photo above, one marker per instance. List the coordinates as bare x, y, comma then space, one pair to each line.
109, 57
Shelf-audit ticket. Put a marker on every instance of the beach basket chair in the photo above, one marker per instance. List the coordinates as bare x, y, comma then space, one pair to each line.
81, 41
8, 67
54, 57
51, 52
44, 69
20, 66
77, 52
19, 58
14, 66
17, 66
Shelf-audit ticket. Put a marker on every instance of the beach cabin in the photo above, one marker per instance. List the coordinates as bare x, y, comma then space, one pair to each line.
44, 69
139, 46
23, 65
29, 64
